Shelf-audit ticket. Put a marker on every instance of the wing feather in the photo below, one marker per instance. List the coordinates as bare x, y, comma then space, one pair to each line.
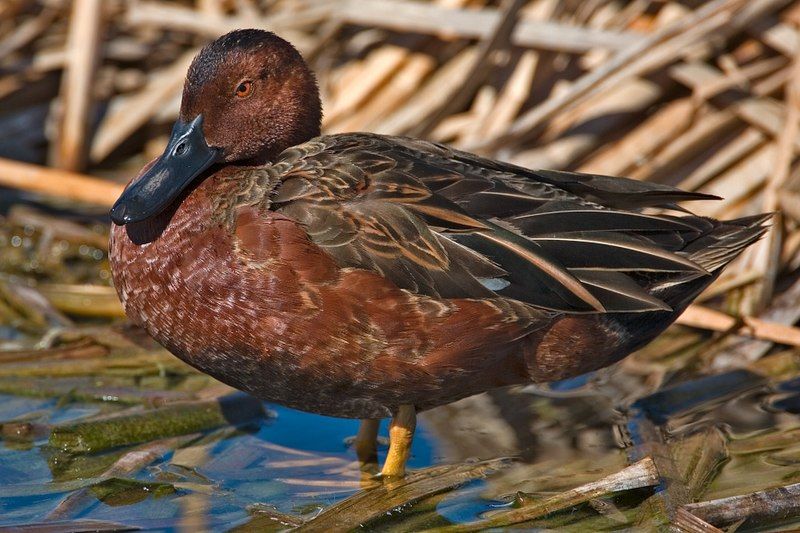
444, 223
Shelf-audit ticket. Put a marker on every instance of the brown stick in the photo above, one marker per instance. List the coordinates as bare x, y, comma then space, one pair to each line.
640, 474
777, 503
689, 523
59, 183
498, 39
77, 86
782, 310
422, 17
175, 17
702, 317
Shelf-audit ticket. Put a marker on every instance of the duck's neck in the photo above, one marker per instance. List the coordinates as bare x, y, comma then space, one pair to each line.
270, 152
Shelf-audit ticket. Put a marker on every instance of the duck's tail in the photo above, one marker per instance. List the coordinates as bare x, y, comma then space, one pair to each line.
712, 250
726, 240
612, 336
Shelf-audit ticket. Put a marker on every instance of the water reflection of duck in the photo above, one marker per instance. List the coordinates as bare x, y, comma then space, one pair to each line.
360, 275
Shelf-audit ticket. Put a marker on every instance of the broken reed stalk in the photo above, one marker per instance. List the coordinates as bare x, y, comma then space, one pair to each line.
638, 475
418, 17
782, 310
375, 503
499, 38
58, 183
77, 89
686, 522
83, 300
701, 317
776, 504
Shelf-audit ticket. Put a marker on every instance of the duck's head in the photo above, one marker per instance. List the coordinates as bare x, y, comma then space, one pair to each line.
248, 96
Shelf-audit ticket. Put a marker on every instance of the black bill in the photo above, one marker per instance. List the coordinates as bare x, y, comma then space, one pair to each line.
186, 156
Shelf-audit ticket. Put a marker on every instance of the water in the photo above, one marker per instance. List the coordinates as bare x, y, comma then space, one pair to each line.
728, 434
257, 464
297, 463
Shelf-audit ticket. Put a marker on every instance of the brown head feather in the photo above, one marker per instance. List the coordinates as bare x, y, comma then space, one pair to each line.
281, 109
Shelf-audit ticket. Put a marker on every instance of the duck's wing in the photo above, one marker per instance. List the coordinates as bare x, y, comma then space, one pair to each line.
450, 224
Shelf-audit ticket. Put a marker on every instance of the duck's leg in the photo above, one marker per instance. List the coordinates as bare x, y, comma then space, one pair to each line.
401, 433
367, 441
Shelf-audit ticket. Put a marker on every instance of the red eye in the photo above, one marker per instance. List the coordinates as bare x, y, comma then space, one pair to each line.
244, 89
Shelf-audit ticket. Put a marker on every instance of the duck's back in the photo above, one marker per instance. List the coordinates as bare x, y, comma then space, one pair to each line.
450, 224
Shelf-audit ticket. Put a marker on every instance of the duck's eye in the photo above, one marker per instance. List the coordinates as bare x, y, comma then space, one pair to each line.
244, 89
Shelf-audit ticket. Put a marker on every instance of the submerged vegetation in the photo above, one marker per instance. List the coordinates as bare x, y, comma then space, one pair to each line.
101, 428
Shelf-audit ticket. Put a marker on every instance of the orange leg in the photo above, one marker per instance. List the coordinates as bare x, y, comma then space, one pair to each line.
401, 434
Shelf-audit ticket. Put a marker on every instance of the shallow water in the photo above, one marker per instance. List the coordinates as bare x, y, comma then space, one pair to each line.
294, 461
298, 463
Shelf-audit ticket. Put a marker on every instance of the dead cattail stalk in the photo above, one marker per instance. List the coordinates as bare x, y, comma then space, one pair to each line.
77, 89
705, 318
765, 256
58, 183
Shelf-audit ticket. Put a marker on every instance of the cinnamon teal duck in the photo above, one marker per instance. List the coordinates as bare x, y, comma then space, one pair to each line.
368, 276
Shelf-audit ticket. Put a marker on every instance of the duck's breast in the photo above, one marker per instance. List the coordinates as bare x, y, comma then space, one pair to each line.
258, 306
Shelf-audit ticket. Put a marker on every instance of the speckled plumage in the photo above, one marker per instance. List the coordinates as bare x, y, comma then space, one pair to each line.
279, 280
356, 273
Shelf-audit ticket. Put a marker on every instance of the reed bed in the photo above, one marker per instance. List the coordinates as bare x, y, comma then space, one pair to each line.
701, 95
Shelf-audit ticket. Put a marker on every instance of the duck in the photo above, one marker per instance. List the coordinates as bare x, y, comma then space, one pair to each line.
369, 276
